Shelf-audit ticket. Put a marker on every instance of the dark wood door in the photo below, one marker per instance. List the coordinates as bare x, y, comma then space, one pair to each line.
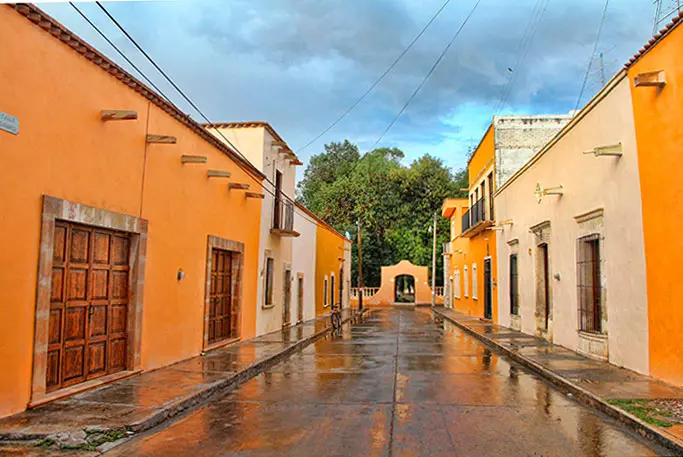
545, 282
488, 305
286, 312
221, 325
300, 300
88, 330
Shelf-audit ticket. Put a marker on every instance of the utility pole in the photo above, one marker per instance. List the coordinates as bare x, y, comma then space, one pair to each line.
434, 264
360, 268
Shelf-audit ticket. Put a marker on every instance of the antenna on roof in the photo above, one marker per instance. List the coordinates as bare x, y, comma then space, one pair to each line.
664, 9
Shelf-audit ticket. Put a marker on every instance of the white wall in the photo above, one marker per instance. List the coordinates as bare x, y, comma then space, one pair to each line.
589, 183
303, 262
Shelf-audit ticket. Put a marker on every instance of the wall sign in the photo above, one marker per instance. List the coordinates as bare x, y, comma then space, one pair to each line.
9, 123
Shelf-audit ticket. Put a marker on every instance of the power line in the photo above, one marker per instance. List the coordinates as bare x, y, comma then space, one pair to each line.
130, 38
386, 72
522, 52
196, 108
431, 70
595, 48
149, 81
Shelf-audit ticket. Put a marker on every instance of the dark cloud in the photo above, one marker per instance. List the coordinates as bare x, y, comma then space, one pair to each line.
300, 63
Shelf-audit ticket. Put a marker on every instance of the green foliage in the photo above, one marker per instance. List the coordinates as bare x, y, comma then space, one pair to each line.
395, 204
646, 411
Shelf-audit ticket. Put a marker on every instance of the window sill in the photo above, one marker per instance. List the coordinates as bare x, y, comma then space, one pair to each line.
593, 335
267, 306
327, 306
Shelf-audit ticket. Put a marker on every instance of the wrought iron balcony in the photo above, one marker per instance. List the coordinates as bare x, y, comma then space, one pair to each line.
466, 221
478, 211
283, 217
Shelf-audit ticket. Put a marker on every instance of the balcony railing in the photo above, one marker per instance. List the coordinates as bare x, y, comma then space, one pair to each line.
283, 217
466, 221
478, 211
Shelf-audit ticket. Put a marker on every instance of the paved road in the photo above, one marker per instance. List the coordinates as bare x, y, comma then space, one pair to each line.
397, 384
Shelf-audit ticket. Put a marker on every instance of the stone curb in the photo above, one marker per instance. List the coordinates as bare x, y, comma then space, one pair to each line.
199, 398
644, 429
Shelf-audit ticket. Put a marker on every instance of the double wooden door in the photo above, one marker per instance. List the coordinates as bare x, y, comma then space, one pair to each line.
223, 315
488, 292
88, 329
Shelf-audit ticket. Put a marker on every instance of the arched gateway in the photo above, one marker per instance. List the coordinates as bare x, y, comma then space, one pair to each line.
402, 284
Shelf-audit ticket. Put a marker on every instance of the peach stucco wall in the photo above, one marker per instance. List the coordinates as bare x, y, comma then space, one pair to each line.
64, 150
659, 133
329, 248
590, 184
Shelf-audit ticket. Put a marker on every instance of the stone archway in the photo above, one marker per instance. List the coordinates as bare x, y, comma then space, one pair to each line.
404, 289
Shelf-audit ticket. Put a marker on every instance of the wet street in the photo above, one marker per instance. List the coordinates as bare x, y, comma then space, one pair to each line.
398, 383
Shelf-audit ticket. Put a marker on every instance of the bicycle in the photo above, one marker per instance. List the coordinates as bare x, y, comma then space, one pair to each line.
335, 317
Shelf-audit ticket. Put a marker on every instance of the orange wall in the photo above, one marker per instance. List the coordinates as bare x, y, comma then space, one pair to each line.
659, 135
329, 247
482, 157
476, 250
65, 151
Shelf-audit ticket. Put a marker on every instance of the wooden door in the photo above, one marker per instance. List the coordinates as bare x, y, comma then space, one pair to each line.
300, 300
286, 312
220, 297
545, 278
488, 294
88, 330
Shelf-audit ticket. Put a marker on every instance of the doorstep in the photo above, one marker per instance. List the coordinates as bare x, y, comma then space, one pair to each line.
138, 403
593, 382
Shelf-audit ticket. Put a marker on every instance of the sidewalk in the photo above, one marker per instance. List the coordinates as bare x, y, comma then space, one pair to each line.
112, 412
601, 385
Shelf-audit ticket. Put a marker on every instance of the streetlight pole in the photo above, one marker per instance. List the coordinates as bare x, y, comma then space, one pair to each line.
434, 264
360, 268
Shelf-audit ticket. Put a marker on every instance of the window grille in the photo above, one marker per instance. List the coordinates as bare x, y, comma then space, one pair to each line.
514, 286
269, 281
589, 284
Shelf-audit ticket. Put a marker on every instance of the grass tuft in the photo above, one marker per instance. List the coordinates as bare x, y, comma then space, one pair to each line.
645, 411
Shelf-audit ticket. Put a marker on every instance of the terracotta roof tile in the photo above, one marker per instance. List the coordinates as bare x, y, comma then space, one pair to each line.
678, 19
47, 23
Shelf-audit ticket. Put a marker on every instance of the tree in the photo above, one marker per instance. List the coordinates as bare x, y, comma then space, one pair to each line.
395, 204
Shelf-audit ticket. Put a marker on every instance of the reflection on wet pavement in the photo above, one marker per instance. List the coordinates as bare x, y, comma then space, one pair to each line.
397, 383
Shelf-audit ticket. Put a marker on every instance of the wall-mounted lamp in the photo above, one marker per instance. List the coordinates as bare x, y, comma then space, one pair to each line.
615, 150
180, 275
541, 192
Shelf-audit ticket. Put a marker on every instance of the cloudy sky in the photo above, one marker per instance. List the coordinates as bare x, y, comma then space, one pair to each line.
299, 64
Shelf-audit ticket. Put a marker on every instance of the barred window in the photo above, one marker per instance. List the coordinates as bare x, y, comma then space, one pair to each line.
514, 286
475, 286
325, 293
589, 283
466, 284
270, 267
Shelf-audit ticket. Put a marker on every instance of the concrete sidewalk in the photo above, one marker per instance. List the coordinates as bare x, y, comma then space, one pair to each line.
602, 385
132, 405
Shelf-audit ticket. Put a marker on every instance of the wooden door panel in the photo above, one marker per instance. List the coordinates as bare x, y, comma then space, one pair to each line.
119, 284
57, 294
73, 363
97, 321
120, 250
97, 363
88, 314
79, 244
77, 286
119, 323
52, 374
74, 323
117, 354
220, 296
101, 248
54, 335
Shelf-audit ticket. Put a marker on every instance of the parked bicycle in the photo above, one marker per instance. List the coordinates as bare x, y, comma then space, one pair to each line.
335, 317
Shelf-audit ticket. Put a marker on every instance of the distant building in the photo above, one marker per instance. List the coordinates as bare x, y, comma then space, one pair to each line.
507, 145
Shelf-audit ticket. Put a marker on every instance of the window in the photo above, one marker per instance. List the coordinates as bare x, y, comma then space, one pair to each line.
456, 292
474, 281
332, 289
514, 286
270, 266
467, 291
325, 293
277, 207
589, 284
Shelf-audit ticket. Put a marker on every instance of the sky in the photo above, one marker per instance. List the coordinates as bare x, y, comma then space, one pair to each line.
299, 64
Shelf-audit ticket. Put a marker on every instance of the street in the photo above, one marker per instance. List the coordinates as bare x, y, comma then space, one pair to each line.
398, 383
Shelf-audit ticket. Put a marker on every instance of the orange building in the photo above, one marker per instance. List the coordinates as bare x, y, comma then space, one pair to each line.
656, 76
121, 252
